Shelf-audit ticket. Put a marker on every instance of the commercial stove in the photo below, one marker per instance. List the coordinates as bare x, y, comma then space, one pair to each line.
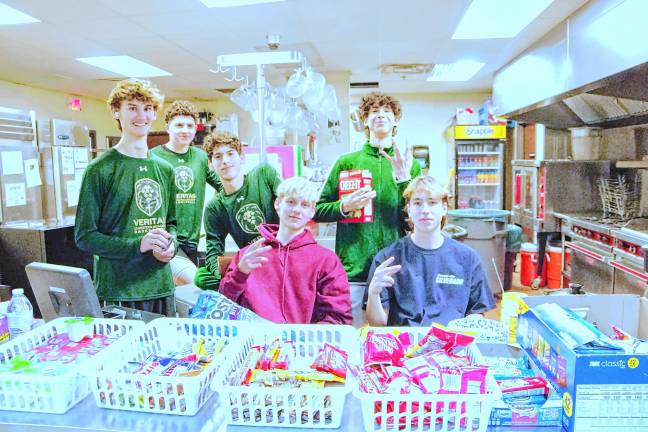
607, 254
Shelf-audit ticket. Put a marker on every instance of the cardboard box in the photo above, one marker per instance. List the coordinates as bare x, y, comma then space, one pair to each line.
600, 391
467, 116
504, 414
350, 181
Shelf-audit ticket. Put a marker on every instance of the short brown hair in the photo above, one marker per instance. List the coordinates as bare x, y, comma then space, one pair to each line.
218, 139
428, 184
180, 108
134, 89
375, 99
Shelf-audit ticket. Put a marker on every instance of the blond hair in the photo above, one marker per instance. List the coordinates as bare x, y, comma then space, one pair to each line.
300, 188
427, 184
134, 89
375, 100
217, 138
180, 108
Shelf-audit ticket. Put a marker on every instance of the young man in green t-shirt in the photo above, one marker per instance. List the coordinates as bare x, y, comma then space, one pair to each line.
126, 212
191, 170
391, 170
245, 202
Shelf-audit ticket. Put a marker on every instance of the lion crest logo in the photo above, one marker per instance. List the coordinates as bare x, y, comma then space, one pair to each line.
249, 217
184, 178
148, 196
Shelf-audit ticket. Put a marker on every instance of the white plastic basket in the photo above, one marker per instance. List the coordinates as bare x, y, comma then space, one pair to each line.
52, 394
115, 388
288, 407
428, 412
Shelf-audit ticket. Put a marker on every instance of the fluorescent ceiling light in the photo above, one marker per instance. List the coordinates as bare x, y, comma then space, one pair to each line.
257, 58
234, 3
125, 65
11, 16
490, 19
460, 71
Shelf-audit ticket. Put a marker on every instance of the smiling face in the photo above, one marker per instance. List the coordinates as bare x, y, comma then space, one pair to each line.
426, 211
294, 212
226, 162
380, 121
135, 117
182, 130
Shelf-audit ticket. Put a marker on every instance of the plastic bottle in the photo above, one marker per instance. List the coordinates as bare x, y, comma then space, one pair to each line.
20, 313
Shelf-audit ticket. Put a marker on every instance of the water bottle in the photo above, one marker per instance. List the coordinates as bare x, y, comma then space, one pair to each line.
20, 313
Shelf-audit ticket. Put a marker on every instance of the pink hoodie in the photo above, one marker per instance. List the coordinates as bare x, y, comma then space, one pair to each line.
301, 283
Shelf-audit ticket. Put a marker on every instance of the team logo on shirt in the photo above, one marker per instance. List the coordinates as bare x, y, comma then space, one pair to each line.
249, 217
448, 279
148, 196
184, 178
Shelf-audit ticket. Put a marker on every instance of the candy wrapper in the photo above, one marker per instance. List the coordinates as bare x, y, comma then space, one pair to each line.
518, 387
441, 338
382, 348
331, 359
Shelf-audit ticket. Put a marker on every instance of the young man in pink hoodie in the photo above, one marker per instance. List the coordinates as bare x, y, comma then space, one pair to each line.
285, 276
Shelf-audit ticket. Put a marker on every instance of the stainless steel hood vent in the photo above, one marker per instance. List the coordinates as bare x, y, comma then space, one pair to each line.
592, 108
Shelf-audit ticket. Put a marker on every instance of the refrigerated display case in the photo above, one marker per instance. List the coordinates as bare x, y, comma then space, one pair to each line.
479, 167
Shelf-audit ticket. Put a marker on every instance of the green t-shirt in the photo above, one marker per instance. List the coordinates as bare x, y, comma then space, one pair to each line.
357, 243
121, 199
240, 214
191, 171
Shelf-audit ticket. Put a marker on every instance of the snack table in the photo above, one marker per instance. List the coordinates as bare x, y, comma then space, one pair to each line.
86, 416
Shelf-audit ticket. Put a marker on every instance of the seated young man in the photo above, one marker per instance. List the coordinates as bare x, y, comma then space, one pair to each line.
285, 276
245, 202
425, 277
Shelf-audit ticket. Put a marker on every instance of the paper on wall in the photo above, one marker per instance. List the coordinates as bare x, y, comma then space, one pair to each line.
72, 193
15, 194
78, 177
12, 162
67, 160
32, 173
80, 158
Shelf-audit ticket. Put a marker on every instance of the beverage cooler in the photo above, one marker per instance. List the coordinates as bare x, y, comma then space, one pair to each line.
479, 167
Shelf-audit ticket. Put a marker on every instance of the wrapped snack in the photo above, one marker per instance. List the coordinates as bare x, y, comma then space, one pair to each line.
382, 348
425, 375
367, 379
457, 378
530, 386
249, 365
441, 338
331, 359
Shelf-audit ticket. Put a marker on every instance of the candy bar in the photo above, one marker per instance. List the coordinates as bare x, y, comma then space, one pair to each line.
331, 359
382, 348
525, 386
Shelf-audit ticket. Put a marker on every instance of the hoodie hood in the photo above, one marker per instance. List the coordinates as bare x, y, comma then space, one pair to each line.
270, 231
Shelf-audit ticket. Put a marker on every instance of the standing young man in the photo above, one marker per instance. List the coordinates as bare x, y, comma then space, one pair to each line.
391, 170
126, 212
191, 169
245, 202
425, 277
286, 276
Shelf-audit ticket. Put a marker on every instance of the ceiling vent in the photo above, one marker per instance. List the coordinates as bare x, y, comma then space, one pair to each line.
406, 69
225, 90
364, 85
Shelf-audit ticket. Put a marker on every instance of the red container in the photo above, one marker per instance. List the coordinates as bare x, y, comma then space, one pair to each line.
529, 265
554, 270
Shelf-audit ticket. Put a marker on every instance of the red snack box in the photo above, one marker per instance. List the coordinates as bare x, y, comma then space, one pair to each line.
523, 386
350, 181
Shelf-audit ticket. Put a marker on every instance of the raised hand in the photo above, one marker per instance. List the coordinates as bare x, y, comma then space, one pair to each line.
401, 162
358, 199
253, 256
382, 277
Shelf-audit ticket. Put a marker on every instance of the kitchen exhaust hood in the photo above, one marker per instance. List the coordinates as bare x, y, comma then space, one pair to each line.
615, 101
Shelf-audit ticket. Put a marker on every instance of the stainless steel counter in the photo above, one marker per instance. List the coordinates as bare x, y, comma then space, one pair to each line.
86, 416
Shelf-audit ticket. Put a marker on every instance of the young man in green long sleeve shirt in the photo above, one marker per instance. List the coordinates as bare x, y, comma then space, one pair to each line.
246, 201
191, 172
126, 212
391, 170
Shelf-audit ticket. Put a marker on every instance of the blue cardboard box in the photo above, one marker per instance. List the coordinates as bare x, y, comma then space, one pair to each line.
605, 391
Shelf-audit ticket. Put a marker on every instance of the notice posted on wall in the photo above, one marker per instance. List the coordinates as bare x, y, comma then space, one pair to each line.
72, 193
80, 158
67, 160
32, 173
15, 194
12, 162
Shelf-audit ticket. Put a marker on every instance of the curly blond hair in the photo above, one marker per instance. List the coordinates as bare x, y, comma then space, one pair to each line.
180, 108
427, 184
134, 89
374, 100
218, 138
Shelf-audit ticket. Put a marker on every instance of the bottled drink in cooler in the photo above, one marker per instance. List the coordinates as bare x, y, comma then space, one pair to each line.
20, 313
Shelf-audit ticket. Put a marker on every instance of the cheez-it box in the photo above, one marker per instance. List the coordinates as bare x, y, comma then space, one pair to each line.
349, 182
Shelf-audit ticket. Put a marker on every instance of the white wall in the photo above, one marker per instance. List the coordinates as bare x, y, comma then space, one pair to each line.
425, 121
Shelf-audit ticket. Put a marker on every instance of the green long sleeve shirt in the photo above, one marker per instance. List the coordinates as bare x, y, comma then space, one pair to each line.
121, 199
191, 173
240, 214
357, 243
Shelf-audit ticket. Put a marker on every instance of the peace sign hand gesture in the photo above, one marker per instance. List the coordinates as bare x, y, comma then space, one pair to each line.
401, 162
382, 277
253, 256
